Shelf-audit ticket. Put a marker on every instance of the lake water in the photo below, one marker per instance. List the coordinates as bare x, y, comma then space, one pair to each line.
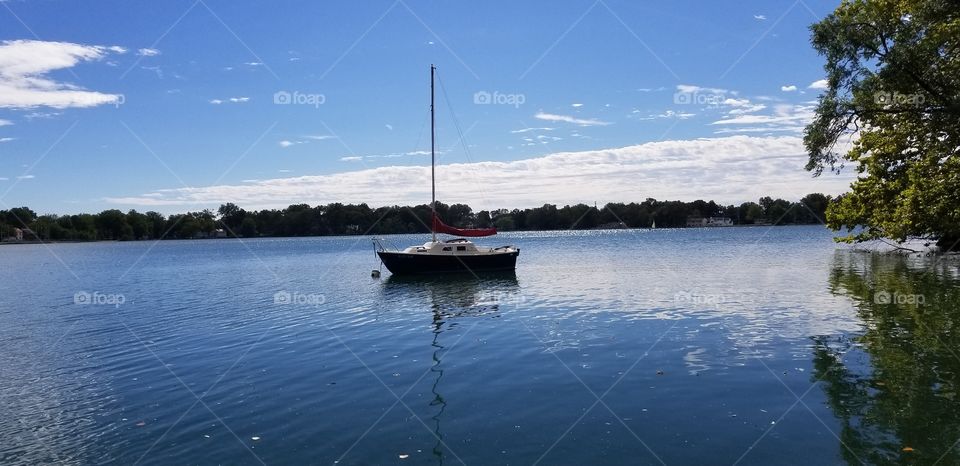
697, 346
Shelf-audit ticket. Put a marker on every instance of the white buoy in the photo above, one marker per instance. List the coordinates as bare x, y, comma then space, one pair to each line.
375, 274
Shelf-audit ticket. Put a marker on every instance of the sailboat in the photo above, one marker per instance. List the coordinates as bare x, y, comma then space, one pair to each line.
453, 255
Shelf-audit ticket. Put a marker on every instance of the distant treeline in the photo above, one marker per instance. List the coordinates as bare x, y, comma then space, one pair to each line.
346, 219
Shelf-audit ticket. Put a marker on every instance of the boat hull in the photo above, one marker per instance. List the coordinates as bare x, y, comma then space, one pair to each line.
406, 263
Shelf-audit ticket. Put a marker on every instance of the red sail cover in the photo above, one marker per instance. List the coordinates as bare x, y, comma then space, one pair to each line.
440, 227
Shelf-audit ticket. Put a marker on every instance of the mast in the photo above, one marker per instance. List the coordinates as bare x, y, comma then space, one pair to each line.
433, 176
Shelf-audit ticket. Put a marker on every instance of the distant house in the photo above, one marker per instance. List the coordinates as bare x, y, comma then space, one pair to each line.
219, 233
699, 222
612, 226
16, 236
719, 222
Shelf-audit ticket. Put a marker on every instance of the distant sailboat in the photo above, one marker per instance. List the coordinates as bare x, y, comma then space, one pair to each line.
454, 255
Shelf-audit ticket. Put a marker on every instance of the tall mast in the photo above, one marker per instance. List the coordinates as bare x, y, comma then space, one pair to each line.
433, 177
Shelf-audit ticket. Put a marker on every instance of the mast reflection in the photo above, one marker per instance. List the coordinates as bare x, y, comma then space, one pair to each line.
453, 297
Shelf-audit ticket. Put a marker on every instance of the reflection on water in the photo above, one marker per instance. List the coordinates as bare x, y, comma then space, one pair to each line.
894, 388
698, 340
451, 298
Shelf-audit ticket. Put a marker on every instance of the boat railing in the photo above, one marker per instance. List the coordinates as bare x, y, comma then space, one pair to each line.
378, 245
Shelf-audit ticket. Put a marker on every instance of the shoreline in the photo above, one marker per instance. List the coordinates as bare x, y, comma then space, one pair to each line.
70, 241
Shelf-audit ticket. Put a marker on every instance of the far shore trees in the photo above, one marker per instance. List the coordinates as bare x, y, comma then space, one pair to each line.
231, 220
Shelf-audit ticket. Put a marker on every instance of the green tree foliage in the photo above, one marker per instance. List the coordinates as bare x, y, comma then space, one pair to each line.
893, 74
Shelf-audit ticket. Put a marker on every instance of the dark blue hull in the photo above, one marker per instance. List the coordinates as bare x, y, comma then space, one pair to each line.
402, 263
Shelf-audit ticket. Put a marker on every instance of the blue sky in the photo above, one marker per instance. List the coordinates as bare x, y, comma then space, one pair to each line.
170, 106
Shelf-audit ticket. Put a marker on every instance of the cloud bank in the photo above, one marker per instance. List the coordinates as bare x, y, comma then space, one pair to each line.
728, 169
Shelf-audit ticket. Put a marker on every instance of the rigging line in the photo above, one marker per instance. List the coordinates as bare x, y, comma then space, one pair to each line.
463, 141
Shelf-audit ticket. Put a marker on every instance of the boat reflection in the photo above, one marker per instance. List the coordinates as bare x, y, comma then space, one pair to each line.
894, 387
457, 295
453, 297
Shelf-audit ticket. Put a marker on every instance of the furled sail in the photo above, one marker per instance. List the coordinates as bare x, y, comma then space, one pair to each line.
440, 227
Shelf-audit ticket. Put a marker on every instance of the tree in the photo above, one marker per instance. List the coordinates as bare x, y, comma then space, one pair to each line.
110, 224
893, 80
139, 224
20, 217
248, 228
460, 215
231, 216
505, 223
157, 224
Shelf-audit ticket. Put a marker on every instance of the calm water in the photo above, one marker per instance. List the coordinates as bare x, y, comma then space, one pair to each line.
723, 346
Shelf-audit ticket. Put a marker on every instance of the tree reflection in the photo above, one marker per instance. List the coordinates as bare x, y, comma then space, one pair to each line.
894, 387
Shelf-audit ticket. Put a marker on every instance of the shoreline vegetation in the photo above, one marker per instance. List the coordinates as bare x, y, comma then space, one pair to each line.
21, 225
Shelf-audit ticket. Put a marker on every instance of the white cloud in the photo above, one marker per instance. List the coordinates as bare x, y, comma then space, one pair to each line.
26, 177
819, 85
761, 129
760, 17
736, 102
305, 139
389, 127
747, 109
5, 122
570, 119
235, 100
148, 52
527, 130
25, 64
41, 115
727, 169
666, 114
254, 63
396, 155
689, 89
789, 115
741, 106
576, 105
7, 139
789, 88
